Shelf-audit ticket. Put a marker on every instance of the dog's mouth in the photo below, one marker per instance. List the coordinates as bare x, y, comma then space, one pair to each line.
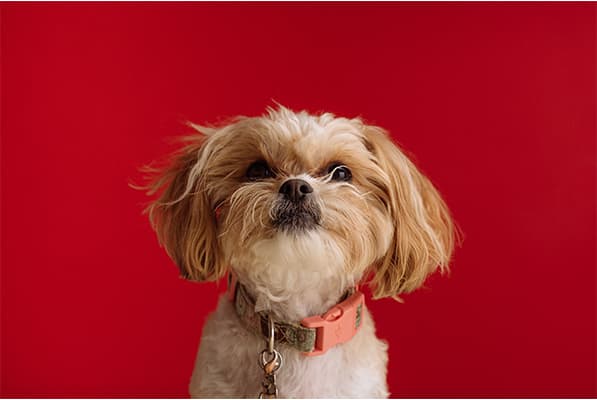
289, 216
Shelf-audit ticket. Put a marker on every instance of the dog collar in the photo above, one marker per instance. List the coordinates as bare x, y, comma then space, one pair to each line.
313, 335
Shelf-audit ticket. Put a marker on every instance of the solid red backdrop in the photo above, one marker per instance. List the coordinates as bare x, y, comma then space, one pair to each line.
496, 102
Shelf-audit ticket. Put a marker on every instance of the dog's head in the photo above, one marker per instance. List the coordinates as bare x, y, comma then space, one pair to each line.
291, 196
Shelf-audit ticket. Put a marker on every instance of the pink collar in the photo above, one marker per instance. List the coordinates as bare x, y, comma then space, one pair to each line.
314, 335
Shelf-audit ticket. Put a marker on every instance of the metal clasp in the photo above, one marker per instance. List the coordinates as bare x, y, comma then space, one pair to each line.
270, 360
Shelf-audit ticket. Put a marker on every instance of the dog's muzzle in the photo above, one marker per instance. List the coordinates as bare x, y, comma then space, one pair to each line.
295, 209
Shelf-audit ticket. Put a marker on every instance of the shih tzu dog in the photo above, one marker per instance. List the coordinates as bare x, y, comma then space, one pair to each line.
298, 209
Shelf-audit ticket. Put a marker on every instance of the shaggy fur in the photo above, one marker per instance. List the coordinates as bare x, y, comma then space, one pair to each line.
387, 222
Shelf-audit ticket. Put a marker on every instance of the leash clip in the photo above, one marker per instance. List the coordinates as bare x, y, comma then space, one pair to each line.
270, 360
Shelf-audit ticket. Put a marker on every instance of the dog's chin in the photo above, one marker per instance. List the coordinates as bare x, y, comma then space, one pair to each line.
295, 223
296, 218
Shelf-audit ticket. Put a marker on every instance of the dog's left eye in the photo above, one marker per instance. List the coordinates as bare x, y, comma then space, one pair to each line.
340, 172
258, 170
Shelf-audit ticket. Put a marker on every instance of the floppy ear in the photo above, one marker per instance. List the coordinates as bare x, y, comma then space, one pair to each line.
423, 237
183, 216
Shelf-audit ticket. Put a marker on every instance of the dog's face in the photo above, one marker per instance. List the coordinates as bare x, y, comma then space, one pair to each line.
290, 196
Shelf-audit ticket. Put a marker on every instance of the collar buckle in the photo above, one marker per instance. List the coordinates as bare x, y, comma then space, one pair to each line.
336, 326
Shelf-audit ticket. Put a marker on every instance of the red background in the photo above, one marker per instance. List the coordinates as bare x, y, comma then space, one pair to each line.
496, 101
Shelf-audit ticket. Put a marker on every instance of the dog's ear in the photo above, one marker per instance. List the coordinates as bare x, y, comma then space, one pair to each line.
423, 237
183, 216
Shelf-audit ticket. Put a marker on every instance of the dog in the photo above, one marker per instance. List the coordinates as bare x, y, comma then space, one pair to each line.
298, 209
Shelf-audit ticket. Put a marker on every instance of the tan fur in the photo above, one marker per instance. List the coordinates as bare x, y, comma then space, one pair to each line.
182, 216
388, 220
424, 235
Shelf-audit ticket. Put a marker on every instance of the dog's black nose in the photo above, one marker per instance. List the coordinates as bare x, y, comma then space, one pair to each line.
295, 189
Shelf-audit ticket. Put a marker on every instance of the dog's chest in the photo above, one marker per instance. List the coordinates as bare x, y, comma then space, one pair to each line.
331, 375
227, 364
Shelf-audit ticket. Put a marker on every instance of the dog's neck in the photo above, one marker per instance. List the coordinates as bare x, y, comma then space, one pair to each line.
313, 335
300, 302
294, 277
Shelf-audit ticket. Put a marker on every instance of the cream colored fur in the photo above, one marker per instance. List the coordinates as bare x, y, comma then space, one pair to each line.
387, 222
226, 364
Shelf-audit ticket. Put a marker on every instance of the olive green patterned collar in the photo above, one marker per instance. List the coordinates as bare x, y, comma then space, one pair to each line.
312, 340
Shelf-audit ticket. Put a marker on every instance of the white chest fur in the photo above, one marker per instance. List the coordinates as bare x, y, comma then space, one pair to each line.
226, 364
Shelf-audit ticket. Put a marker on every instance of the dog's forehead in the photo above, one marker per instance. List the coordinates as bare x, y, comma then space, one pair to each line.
314, 142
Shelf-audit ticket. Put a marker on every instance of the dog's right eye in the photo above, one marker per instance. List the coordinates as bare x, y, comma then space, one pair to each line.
258, 170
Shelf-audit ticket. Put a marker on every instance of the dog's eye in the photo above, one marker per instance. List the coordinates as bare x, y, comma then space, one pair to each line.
340, 172
258, 170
